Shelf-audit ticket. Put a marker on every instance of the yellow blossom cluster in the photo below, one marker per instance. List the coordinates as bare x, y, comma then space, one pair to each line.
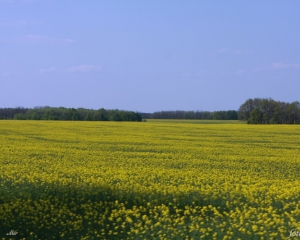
149, 180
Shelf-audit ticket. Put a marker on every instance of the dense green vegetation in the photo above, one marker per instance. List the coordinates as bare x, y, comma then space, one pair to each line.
252, 111
194, 115
268, 111
61, 113
198, 121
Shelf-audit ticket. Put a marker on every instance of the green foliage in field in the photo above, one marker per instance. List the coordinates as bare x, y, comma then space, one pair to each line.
69, 114
151, 180
268, 111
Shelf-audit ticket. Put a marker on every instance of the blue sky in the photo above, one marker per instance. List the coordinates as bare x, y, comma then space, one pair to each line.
148, 55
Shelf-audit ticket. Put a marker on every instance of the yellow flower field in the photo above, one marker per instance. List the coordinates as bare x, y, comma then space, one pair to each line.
149, 180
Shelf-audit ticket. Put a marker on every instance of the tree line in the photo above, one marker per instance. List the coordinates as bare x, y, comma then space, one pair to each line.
269, 111
61, 113
82, 114
205, 115
253, 111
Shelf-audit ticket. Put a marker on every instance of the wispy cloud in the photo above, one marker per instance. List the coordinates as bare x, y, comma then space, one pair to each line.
14, 23
258, 69
278, 66
285, 65
239, 51
45, 70
29, 1
19, 23
223, 50
18, 1
83, 68
232, 51
41, 39
36, 38
239, 72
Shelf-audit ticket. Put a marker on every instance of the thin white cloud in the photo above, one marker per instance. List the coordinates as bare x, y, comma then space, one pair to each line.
83, 68
45, 70
239, 72
239, 51
15, 23
223, 50
284, 65
258, 69
67, 40
36, 38
41, 39
19, 23
18, 1
29, 1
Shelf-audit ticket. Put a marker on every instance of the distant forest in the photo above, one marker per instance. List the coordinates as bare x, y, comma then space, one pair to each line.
61, 113
253, 111
205, 115
82, 114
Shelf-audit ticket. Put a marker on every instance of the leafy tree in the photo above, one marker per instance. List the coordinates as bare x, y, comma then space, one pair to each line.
115, 117
265, 111
256, 116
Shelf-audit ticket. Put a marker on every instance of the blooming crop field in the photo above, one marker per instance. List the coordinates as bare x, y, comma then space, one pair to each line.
148, 180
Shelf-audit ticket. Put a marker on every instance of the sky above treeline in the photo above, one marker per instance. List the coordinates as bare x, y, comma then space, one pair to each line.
148, 56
